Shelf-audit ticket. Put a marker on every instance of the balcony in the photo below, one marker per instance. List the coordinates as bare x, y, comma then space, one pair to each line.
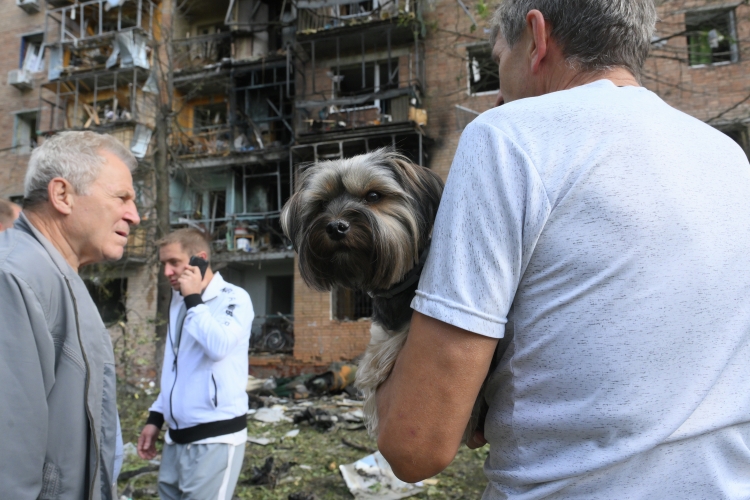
88, 23
315, 16
202, 52
371, 83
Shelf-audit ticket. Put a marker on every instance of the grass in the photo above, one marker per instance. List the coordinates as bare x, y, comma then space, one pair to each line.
315, 457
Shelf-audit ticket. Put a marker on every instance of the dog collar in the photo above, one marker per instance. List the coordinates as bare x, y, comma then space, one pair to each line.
411, 277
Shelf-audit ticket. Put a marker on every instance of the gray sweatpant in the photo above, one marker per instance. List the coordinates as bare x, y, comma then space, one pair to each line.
200, 471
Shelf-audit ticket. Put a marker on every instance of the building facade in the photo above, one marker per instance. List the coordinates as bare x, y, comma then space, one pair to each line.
254, 90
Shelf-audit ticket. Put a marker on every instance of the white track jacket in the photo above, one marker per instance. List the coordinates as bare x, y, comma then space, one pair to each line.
204, 378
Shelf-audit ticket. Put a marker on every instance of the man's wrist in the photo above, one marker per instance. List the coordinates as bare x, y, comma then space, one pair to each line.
193, 300
155, 418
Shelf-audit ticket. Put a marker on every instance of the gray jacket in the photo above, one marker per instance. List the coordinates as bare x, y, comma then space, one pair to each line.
58, 409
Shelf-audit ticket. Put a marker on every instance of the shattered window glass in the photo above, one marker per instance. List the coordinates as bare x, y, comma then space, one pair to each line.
483, 71
711, 37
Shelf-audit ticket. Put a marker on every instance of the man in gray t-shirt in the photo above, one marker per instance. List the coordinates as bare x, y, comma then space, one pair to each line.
603, 236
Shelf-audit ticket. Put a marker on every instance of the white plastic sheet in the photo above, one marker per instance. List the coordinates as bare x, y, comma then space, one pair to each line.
371, 478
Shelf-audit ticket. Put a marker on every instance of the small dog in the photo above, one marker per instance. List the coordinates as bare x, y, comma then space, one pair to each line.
365, 223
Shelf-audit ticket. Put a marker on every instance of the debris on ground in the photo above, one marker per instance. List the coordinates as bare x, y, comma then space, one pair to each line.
318, 418
272, 415
269, 474
262, 441
356, 446
372, 478
302, 496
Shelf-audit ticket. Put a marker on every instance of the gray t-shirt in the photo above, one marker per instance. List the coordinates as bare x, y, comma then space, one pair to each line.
609, 233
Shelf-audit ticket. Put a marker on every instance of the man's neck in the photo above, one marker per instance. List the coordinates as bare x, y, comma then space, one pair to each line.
51, 230
569, 79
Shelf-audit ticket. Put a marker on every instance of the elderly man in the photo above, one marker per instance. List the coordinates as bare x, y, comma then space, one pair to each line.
598, 246
9, 212
58, 413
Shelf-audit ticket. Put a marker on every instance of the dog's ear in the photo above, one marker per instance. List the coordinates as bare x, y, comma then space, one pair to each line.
294, 212
423, 184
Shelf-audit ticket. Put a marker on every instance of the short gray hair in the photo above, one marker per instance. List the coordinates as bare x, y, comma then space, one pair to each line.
74, 156
595, 35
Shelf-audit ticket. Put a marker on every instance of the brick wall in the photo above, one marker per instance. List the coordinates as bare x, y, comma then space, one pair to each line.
13, 22
704, 92
318, 338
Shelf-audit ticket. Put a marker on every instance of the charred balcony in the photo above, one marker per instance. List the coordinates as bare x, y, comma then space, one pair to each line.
370, 77
321, 16
90, 22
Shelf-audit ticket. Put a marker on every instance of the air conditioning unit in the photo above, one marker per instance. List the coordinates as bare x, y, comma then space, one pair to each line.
30, 6
20, 79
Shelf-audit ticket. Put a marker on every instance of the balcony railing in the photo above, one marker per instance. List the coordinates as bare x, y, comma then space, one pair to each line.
317, 15
96, 19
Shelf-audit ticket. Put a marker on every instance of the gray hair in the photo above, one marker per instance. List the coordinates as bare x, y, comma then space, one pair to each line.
74, 156
595, 35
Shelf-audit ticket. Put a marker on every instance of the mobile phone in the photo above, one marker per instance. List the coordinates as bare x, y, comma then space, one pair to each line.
200, 263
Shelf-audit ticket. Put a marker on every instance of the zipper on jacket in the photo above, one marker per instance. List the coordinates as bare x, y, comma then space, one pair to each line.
216, 392
88, 382
174, 382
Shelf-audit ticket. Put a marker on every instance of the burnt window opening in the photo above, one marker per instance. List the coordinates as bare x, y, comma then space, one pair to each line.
32, 55
109, 297
356, 9
208, 116
351, 305
280, 293
352, 80
25, 132
483, 72
711, 37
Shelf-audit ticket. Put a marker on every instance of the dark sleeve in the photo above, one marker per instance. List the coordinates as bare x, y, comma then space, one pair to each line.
27, 359
155, 418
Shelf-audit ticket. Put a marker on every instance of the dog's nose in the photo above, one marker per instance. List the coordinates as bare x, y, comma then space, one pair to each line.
337, 229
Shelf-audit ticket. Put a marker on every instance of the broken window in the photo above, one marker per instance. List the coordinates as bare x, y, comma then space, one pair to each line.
711, 37
280, 293
351, 305
354, 80
109, 297
483, 73
32, 55
25, 132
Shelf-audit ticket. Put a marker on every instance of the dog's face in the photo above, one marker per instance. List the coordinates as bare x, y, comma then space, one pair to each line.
361, 222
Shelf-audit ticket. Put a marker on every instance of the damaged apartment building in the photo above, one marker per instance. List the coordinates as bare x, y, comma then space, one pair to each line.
258, 89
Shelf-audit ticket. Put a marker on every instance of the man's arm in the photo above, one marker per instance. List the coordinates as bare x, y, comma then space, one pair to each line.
220, 335
425, 405
25, 350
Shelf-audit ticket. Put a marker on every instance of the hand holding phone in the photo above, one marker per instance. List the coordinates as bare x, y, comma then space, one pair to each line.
200, 263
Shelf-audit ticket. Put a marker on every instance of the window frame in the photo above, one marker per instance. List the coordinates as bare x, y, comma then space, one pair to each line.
19, 148
470, 51
734, 49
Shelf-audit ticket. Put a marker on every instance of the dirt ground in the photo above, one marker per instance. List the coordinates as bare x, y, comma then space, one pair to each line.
307, 463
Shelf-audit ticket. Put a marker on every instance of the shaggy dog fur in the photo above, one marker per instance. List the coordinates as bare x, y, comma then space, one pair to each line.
365, 223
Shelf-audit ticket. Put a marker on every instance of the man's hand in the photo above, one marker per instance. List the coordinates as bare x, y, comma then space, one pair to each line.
147, 442
191, 281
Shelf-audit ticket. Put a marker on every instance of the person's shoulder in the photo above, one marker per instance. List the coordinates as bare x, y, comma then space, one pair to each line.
22, 255
233, 293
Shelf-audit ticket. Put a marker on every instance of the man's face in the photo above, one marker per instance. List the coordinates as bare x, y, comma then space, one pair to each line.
515, 77
175, 261
99, 223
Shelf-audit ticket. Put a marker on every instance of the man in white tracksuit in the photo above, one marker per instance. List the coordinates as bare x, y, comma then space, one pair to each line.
203, 398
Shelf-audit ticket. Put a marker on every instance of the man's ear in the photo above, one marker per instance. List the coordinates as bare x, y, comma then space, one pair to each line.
540, 31
61, 195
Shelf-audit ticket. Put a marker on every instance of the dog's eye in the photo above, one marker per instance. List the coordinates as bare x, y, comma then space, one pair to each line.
372, 197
